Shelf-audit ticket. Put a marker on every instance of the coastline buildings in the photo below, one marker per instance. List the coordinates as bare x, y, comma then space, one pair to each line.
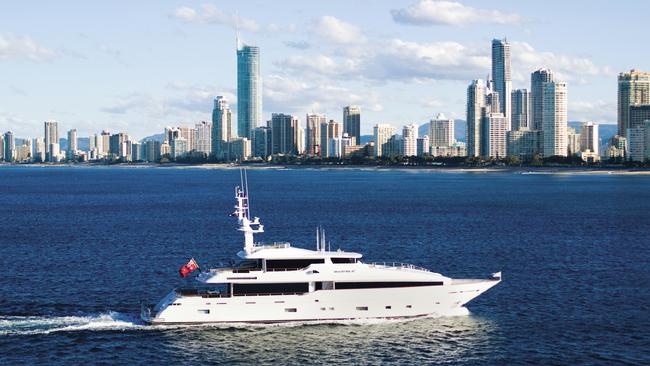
493, 133
328, 131
441, 134
501, 75
249, 89
589, 139
633, 89
51, 140
352, 123
313, 133
424, 146
524, 144
474, 113
554, 118
382, 134
537, 80
410, 140
221, 126
520, 111
9, 150
72, 144
284, 134
204, 137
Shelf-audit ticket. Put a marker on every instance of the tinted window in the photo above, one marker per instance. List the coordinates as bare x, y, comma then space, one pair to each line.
343, 260
269, 288
291, 263
351, 285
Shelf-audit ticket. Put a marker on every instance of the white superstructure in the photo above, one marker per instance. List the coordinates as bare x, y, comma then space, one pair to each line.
280, 283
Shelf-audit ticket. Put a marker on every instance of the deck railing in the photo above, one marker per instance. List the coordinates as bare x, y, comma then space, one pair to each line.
398, 265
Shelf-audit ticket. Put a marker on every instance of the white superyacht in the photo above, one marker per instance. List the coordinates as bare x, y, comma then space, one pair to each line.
279, 283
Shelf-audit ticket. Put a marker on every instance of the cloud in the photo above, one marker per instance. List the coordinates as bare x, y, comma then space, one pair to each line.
318, 65
299, 45
337, 31
210, 14
430, 12
16, 47
290, 95
598, 111
565, 67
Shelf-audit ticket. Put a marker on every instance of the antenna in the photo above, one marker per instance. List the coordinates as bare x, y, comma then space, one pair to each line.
237, 29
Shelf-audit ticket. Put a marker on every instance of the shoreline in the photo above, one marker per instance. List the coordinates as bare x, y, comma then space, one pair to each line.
442, 169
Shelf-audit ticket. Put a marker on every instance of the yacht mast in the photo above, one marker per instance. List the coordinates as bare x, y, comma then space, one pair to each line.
242, 211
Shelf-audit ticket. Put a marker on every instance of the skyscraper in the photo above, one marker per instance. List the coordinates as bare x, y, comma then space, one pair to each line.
520, 111
501, 74
221, 126
312, 132
633, 89
328, 131
554, 119
9, 147
410, 137
284, 133
537, 80
249, 89
493, 135
382, 133
72, 144
475, 104
261, 142
203, 137
51, 140
352, 123
638, 114
589, 137
441, 131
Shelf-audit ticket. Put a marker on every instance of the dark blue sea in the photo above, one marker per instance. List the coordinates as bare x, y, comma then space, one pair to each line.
80, 247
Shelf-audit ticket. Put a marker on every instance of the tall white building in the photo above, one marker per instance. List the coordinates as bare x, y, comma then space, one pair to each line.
203, 137
501, 75
410, 137
51, 138
441, 131
382, 133
329, 131
222, 126
179, 147
554, 119
494, 128
475, 104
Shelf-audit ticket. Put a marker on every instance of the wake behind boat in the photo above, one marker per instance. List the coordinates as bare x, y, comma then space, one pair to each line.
279, 283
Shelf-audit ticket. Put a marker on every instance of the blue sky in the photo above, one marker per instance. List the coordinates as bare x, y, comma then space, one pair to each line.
137, 66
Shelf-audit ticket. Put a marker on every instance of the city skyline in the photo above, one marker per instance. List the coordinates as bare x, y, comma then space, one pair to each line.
318, 63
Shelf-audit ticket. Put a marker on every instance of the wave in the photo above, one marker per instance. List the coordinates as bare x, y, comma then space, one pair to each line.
25, 325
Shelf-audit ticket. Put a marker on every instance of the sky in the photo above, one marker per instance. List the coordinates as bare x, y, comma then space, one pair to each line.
138, 66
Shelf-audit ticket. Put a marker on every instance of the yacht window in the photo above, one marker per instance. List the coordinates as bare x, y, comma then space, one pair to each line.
323, 308
269, 288
358, 285
290, 264
408, 306
204, 311
388, 307
363, 308
343, 260
290, 310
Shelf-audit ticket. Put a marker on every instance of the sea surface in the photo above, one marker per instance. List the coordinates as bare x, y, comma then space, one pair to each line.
80, 247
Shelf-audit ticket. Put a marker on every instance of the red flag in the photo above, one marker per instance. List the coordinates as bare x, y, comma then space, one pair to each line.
190, 267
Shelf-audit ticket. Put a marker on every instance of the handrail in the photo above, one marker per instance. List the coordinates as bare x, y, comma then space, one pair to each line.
398, 265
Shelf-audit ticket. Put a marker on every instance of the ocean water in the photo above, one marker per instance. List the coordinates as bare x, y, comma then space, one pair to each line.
81, 247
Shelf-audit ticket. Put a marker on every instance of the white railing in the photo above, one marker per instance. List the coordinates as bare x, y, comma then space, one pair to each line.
398, 265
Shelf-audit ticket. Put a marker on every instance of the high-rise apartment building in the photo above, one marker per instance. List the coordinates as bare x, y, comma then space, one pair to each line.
352, 123
441, 131
523, 144
475, 104
493, 135
203, 137
329, 130
261, 144
633, 89
249, 89
312, 132
520, 111
382, 134
9, 147
589, 139
284, 133
51, 140
537, 81
423, 146
554, 119
410, 139
72, 144
501, 75
638, 114
221, 126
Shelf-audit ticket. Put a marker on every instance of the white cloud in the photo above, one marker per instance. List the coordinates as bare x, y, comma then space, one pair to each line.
15, 47
599, 111
210, 14
318, 65
337, 31
430, 12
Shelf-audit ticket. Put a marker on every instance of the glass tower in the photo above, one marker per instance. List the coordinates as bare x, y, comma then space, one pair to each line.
249, 89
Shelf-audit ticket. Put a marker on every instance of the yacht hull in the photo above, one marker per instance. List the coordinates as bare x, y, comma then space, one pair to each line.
321, 305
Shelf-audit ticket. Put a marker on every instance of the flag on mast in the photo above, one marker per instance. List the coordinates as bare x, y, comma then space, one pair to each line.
190, 267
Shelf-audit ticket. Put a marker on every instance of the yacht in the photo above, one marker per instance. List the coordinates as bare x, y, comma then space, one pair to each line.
277, 282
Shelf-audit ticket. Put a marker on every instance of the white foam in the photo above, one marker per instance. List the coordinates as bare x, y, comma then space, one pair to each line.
10, 325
